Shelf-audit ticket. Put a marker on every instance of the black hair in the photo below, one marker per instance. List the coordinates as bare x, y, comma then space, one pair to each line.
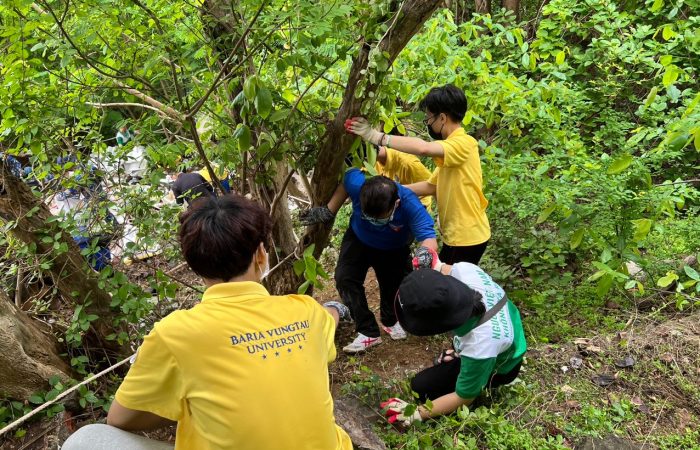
378, 195
447, 99
220, 235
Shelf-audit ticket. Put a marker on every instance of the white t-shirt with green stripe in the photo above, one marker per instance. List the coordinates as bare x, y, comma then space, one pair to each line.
496, 346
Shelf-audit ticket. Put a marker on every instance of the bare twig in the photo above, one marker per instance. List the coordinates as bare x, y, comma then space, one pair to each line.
280, 193
127, 104
171, 112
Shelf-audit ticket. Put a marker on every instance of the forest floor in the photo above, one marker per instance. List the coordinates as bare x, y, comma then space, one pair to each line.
590, 371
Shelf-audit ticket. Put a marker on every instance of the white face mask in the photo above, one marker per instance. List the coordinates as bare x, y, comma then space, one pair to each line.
266, 271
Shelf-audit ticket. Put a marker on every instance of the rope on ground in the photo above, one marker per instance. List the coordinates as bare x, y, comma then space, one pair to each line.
62, 395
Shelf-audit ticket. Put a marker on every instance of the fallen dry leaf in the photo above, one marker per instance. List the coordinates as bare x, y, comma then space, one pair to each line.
575, 362
625, 362
603, 380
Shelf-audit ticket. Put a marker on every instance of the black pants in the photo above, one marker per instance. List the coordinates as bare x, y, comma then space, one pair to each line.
390, 266
441, 379
471, 254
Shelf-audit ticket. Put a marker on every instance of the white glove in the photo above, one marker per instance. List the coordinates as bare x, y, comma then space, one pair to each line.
361, 127
396, 412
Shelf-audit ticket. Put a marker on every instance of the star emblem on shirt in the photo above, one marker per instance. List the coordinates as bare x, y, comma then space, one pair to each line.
289, 350
277, 353
264, 356
300, 347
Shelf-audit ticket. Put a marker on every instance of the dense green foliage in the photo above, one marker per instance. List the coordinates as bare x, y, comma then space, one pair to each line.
588, 117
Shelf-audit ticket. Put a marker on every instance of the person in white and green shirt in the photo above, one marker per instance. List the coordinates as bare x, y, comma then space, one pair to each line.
488, 344
124, 135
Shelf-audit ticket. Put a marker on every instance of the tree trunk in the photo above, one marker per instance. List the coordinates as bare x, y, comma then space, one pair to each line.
513, 5
28, 357
482, 6
69, 270
336, 143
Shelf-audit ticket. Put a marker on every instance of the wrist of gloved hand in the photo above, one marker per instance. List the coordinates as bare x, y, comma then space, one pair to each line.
397, 412
361, 127
317, 214
426, 258
343, 310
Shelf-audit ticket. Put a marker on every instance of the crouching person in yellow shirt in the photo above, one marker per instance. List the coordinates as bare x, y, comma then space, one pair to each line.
403, 168
243, 369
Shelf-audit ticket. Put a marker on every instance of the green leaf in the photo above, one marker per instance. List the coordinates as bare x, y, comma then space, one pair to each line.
560, 57
666, 60
650, 100
36, 399
279, 115
604, 285
620, 164
263, 102
249, 88
576, 238
525, 60
666, 280
243, 135
304, 286
670, 75
657, 5
546, 213
668, 32
299, 267
692, 273
641, 229
697, 139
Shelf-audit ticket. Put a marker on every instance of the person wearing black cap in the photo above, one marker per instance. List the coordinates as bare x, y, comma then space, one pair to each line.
489, 341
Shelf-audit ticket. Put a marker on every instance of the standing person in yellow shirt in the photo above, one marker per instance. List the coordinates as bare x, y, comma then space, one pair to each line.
241, 370
457, 181
403, 168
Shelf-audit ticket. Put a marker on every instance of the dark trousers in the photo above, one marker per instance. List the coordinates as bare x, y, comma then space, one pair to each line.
390, 266
441, 379
471, 253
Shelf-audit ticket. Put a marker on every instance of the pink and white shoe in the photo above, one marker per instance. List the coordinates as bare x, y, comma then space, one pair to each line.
396, 332
361, 344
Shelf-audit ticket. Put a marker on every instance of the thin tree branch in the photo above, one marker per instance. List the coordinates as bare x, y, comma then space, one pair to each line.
280, 193
167, 110
126, 104
200, 149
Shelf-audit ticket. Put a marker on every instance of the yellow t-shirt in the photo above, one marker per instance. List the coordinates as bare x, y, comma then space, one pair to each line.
241, 370
220, 173
406, 169
461, 202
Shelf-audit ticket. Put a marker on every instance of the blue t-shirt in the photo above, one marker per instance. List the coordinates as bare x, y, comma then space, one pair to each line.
410, 218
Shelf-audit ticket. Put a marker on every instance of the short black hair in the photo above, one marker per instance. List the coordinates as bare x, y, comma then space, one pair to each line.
448, 99
377, 196
220, 235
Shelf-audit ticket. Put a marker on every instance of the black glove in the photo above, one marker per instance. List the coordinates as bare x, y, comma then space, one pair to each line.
317, 214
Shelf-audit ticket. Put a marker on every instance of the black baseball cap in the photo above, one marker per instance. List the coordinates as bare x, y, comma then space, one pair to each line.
429, 303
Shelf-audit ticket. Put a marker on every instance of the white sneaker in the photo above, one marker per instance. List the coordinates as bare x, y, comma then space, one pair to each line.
396, 332
361, 343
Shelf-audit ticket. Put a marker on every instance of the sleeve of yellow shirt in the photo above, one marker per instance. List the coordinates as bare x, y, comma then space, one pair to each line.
434, 177
329, 333
154, 383
456, 150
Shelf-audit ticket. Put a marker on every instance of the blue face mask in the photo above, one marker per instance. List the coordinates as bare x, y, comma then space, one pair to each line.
379, 222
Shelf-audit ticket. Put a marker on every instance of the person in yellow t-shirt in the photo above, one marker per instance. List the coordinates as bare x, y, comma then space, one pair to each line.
402, 168
221, 173
242, 370
457, 181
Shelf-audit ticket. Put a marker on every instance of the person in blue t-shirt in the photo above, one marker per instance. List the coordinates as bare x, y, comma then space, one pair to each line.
386, 218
